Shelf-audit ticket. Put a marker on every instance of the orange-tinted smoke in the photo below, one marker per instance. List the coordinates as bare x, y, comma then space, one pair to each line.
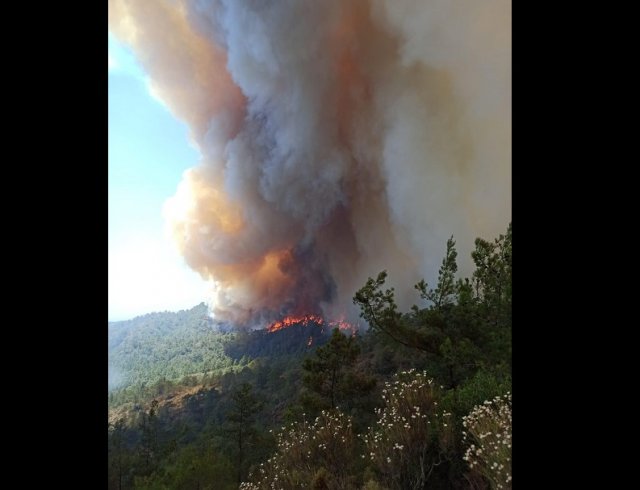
337, 138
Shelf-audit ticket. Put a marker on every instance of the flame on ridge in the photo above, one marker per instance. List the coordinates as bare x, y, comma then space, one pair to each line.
289, 321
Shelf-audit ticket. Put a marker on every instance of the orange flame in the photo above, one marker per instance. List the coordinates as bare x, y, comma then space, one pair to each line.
344, 325
306, 319
293, 320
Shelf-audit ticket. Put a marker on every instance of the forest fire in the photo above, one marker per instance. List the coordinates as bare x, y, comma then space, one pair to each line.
306, 319
344, 325
293, 320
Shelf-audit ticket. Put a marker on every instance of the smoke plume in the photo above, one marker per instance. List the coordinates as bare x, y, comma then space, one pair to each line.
338, 138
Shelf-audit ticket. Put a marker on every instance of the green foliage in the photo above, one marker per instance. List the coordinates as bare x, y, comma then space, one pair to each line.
489, 441
208, 387
445, 291
413, 435
160, 348
158, 354
379, 309
296, 340
118, 454
245, 406
241, 424
464, 334
465, 326
484, 385
149, 428
192, 467
492, 277
321, 454
330, 376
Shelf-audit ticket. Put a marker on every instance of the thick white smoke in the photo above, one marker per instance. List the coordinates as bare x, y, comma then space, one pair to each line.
338, 138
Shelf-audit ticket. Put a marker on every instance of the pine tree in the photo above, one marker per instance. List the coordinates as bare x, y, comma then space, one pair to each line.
331, 377
149, 436
241, 417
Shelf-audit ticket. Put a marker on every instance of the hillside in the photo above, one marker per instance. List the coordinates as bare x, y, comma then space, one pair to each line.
165, 345
201, 408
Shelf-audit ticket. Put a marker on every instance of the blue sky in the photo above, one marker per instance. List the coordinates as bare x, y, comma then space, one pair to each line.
148, 152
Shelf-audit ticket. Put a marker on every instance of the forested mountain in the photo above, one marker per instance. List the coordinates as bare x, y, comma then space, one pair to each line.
169, 346
420, 400
165, 345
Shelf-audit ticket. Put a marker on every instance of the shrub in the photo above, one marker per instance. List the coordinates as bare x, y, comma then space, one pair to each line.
413, 435
318, 455
488, 431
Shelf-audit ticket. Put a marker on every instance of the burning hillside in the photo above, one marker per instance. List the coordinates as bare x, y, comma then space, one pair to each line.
289, 338
311, 319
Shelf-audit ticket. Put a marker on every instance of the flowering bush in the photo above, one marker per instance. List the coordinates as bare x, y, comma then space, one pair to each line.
413, 435
488, 430
317, 455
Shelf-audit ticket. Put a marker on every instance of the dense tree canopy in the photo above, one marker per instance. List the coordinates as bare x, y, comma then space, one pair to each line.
330, 376
466, 323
